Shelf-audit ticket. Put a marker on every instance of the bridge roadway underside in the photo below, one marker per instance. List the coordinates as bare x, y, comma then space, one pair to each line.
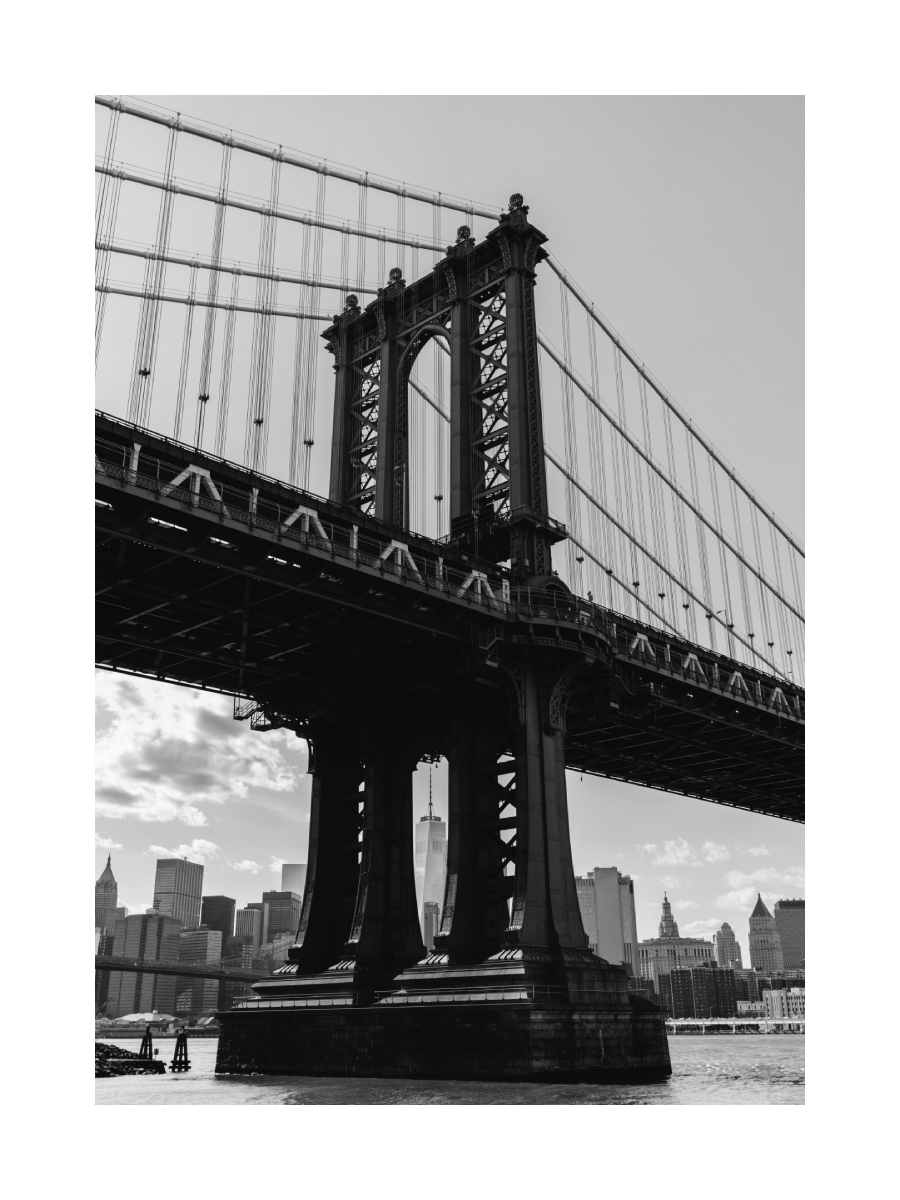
188, 595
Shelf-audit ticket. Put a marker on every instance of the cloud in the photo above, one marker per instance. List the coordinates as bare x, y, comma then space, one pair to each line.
704, 928
759, 851
715, 852
105, 843
199, 850
675, 853
678, 852
681, 905
671, 881
248, 865
743, 899
276, 864
738, 879
166, 753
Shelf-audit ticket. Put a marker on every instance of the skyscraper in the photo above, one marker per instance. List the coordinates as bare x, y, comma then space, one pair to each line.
284, 913
147, 936
430, 862
263, 910
177, 890
248, 925
606, 900
106, 899
790, 921
195, 996
765, 942
217, 912
670, 952
293, 877
728, 952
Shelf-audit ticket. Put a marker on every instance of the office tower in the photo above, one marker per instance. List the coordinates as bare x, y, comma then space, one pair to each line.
765, 942
698, 992
293, 877
177, 890
248, 925
584, 890
106, 898
149, 936
194, 996
430, 861
670, 952
217, 912
263, 910
432, 923
606, 900
790, 921
728, 952
284, 913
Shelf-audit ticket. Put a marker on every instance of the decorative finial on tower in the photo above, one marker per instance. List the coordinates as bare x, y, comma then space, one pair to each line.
463, 234
351, 304
516, 200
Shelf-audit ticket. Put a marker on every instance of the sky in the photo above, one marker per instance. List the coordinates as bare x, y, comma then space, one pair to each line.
683, 220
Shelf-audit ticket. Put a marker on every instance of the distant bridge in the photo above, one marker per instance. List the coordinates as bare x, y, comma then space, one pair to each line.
210, 970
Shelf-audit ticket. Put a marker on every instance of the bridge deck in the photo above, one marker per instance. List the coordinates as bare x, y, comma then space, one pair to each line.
216, 578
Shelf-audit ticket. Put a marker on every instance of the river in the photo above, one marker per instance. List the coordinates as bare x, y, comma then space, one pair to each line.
717, 1069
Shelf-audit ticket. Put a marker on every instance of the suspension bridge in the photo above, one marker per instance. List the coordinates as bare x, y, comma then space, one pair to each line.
396, 599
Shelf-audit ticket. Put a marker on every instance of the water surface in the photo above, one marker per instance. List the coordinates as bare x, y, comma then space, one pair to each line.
716, 1069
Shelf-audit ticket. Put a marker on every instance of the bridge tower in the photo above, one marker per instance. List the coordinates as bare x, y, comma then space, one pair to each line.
510, 917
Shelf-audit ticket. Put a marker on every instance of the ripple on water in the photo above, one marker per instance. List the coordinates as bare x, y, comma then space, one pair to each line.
731, 1070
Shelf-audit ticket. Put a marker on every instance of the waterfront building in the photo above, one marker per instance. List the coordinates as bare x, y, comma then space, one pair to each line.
669, 952
790, 920
248, 925
765, 942
784, 1003
728, 952
263, 910
430, 863
293, 877
783, 979
642, 987
150, 936
106, 899
746, 985
606, 900
284, 913
178, 889
217, 912
699, 992
195, 996
751, 1008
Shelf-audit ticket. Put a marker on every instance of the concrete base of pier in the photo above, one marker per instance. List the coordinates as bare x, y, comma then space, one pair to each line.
492, 1040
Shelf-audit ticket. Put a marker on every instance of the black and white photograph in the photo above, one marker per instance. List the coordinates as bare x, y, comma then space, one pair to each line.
450, 600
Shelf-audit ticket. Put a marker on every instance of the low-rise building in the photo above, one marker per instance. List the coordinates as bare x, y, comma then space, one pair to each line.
786, 1004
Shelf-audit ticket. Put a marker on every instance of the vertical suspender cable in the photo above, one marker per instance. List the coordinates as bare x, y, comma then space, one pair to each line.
104, 228
154, 281
212, 294
186, 355
224, 374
